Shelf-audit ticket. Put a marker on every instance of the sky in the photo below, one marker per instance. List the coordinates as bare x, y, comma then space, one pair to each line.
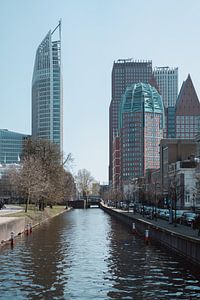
94, 34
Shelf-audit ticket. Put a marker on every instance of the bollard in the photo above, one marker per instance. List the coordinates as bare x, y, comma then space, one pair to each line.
12, 238
133, 228
30, 227
146, 238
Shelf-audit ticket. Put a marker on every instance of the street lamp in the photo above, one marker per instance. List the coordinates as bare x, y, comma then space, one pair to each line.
173, 194
175, 200
157, 184
193, 202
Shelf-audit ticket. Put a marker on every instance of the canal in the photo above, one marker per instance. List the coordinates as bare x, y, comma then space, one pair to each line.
85, 254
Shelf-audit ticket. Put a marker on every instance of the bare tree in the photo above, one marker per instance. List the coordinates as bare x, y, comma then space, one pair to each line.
84, 181
41, 177
28, 181
96, 188
68, 162
68, 186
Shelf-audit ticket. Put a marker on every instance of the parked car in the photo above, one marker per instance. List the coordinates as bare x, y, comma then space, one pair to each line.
179, 214
163, 213
131, 206
188, 218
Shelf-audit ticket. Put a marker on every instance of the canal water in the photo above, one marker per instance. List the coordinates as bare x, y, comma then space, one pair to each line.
85, 254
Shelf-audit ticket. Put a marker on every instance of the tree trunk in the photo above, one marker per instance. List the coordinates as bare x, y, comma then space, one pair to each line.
27, 203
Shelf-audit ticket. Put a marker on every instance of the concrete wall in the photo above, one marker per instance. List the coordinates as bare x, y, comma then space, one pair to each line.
185, 246
11, 224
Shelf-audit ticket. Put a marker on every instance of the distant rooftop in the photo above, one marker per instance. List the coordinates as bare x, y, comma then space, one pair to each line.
131, 60
165, 68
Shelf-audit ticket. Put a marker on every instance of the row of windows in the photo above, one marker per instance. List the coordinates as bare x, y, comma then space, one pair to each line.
191, 118
187, 128
185, 135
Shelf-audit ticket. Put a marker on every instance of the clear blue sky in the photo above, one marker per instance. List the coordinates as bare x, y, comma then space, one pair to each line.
94, 34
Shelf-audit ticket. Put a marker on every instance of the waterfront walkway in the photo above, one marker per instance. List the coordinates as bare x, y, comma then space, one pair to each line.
184, 230
10, 208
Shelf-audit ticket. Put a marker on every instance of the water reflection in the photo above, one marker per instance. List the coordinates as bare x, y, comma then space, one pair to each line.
146, 272
46, 260
84, 254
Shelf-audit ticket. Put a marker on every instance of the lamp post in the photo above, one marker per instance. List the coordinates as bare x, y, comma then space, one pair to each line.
194, 202
157, 184
173, 194
175, 200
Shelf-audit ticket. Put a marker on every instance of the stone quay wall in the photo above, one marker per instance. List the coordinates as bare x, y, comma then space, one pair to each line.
184, 245
11, 224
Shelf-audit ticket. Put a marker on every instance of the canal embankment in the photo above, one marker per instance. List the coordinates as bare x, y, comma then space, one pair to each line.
182, 240
17, 222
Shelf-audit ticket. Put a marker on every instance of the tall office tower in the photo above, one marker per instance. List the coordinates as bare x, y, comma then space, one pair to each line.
141, 123
47, 97
11, 146
167, 80
187, 112
124, 73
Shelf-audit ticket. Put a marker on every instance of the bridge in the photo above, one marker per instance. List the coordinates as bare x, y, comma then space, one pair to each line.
85, 202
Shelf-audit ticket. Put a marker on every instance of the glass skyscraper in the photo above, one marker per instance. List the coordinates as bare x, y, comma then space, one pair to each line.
47, 98
167, 80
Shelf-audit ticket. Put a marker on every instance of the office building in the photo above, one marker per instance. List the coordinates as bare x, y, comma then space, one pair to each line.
11, 146
141, 124
167, 80
47, 101
187, 111
124, 73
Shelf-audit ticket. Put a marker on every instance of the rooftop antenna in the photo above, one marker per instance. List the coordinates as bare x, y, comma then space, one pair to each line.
59, 25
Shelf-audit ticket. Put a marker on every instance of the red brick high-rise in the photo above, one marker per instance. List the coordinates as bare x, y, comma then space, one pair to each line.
124, 73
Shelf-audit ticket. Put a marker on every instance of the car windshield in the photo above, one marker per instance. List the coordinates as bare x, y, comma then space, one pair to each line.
190, 214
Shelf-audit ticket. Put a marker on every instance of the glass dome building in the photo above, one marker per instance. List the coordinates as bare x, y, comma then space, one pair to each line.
141, 123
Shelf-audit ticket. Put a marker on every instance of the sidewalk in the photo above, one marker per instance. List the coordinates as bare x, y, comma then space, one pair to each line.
181, 239
180, 229
9, 208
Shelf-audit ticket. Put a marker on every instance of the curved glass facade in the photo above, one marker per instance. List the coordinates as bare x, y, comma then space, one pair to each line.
47, 106
141, 123
141, 97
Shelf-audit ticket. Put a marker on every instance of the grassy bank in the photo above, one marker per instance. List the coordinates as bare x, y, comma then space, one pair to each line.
34, 216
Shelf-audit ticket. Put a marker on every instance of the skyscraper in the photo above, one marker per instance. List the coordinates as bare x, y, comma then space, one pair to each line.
167, 80
187, 112
141, 123
124, 73
47, 98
